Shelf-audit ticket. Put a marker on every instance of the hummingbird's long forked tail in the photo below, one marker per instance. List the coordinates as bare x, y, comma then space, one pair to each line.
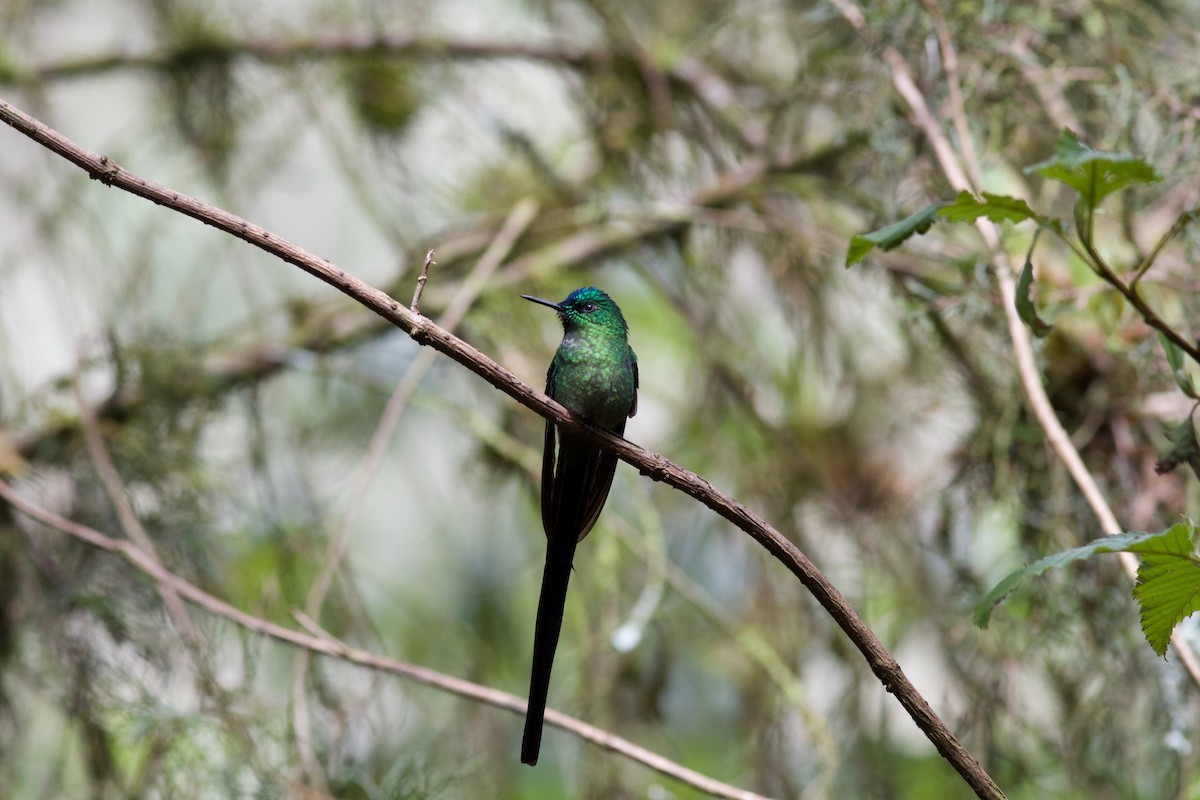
574, 488
560, 552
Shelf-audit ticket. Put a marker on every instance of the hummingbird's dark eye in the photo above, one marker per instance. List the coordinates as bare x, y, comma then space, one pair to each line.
589, 306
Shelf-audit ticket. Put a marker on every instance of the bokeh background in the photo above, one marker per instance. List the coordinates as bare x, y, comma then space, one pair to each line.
703, 161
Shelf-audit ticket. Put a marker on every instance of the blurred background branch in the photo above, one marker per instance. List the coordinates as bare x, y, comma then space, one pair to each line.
320, 641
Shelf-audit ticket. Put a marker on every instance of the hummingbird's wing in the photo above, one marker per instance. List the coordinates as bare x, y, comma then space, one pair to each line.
573, 494
633, 367
582, 486
549, 449
581, 496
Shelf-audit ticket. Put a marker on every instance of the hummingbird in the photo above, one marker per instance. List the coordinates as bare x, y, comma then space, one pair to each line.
594, 375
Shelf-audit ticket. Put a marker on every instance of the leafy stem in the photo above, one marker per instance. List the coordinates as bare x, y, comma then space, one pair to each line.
1093, 175
1083, 226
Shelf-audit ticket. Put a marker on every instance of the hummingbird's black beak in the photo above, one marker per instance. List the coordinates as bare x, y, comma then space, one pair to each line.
540, 301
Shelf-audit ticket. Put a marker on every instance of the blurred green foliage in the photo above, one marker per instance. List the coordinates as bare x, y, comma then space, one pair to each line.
704, 162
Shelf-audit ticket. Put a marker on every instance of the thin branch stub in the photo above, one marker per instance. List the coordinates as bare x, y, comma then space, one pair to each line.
415, 307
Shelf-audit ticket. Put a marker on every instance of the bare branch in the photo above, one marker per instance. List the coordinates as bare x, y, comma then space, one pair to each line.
415, 305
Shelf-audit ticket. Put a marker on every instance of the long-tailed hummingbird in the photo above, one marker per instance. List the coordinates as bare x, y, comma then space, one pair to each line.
594, 375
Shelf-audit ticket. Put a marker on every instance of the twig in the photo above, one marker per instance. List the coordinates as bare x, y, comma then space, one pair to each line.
657, 467
415, 306
327, 644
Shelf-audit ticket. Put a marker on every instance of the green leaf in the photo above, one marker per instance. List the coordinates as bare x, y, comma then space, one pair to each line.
1175, 360
1168, 584
996, 207
893, 235
1025, 308
1107, 544
1184, 448
964, 208
1094, 174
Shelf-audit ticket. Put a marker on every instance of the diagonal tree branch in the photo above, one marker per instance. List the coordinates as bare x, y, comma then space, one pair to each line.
656, 466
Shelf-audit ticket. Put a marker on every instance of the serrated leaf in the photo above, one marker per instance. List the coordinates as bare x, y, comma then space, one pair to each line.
1168, 584
1025, 308
964, 208
996, 207
893, 235
1184, 448
1108, 544
1175, 360
1094, 174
